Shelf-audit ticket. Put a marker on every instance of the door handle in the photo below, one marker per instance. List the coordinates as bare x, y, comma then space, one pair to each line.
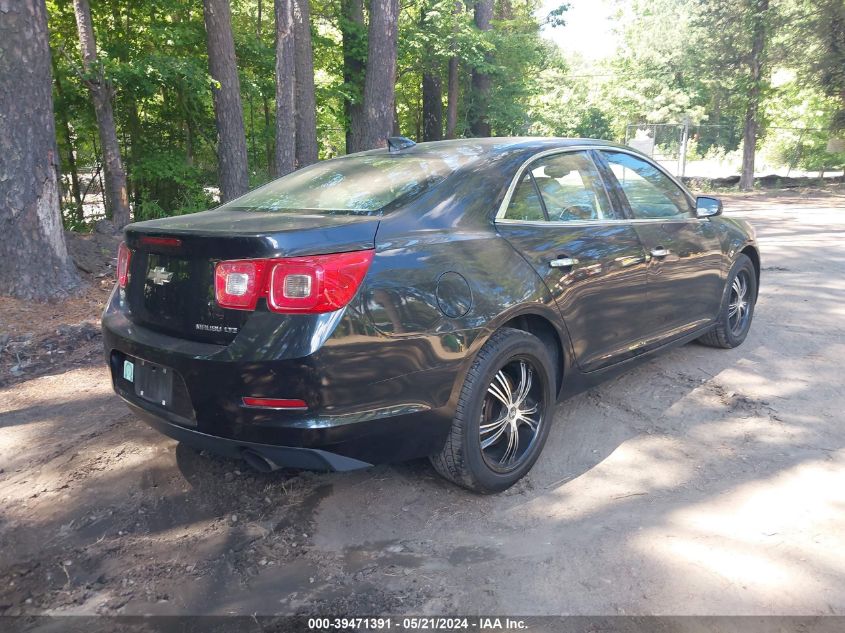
659, 252
563, 262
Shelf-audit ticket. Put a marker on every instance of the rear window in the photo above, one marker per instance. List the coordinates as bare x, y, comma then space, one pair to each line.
358, 184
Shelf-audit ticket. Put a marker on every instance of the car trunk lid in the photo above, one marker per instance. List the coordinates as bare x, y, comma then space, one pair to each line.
171, 272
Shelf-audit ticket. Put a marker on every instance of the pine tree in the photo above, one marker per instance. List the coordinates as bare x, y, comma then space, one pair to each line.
35, 262
231, 139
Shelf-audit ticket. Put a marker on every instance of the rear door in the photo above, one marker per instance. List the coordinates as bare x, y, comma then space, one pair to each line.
684, 252
559, 217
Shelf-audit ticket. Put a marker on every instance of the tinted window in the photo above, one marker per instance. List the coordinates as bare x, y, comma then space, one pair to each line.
571, 188
525, 203
650, 192
356, 184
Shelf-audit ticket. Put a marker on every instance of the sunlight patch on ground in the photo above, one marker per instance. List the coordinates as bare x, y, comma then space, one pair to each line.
47, 409
758, 429
764, 537
637, 467
70, 386
51, 481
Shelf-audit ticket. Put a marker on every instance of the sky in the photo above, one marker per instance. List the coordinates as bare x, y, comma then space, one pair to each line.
588, 29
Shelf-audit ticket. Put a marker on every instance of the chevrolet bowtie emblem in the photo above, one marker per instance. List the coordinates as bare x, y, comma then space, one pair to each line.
159, 275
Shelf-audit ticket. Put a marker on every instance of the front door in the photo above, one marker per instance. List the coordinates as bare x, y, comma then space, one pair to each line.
560, 219
684, 252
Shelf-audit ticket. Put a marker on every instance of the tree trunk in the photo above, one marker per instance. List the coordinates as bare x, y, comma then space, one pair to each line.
380, 77
35, 262
117, 197
269, 150
481, 83
432, 107
231, 140
453, 82
133, 121
505, 10
252, 157
189, 142
749, 141
306, 107
829, 25
188, 130
749, 135
452, 98
135, 135
352, 31
187, 124
285, 89
75, 190
838, 126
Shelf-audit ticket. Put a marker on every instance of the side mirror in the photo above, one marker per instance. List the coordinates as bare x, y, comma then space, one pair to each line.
706, 207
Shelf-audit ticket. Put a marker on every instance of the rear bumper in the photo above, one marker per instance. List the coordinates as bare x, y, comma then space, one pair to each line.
357, 415
281, 456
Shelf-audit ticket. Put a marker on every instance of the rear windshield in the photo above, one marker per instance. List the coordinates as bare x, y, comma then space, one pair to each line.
357, 184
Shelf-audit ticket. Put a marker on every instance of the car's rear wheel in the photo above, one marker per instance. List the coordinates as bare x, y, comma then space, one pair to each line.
737, 308
503, 415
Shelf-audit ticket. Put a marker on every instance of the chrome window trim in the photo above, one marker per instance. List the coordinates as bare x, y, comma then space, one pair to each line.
601, 222
503, 207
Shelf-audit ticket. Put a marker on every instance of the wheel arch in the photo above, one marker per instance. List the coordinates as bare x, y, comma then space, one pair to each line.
754, 255
540, 320
543, 329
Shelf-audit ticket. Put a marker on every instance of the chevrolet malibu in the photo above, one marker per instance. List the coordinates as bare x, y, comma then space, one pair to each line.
432, 300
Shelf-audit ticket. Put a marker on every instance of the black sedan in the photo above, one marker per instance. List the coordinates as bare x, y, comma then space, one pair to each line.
422, 300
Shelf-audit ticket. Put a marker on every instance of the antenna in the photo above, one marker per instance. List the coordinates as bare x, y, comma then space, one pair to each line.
398, 143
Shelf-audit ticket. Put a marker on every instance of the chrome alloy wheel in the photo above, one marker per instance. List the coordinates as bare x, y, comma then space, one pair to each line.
511, 415
739, 305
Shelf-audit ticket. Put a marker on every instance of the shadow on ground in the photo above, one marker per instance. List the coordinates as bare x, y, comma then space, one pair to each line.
703, 482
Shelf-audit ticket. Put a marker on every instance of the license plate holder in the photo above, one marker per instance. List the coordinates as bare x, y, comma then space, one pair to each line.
153, 383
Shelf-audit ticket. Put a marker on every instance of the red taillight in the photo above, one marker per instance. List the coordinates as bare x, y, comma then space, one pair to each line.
123, 257
275, 403
313, 284
320, 283
238, 284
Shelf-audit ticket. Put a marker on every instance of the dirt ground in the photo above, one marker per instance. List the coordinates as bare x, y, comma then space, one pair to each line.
703, 482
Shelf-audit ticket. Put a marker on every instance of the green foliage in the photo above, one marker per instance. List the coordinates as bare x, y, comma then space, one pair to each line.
653, 76
678, 60
520, 54
71, 220
173, 187
557, 16
593, 124
513, 53
800, 119
825, 23
567, 106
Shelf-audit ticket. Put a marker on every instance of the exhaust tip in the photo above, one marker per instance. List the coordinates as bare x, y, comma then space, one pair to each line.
258, 462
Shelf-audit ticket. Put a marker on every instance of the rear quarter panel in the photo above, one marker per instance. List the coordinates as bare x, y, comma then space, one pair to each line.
443, 279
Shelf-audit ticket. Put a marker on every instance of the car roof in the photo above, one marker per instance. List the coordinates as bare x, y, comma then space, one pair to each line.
497, 144
480, 150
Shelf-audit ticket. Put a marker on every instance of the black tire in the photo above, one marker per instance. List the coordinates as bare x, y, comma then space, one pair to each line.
462, 459
730, 329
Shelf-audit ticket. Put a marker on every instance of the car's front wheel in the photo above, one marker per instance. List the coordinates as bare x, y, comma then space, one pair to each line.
737, 307
503, 415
